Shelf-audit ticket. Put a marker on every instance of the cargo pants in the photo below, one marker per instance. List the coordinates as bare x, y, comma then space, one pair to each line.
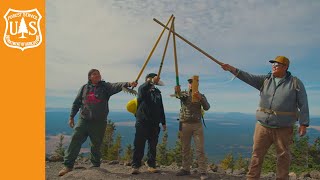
195, 130
84, 128
263, 138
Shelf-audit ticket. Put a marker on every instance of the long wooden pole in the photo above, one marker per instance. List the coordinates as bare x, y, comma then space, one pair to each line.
165, 49
154, 47
175, 55
188, 42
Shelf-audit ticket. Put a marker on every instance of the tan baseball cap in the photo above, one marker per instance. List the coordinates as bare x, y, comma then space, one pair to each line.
281, 59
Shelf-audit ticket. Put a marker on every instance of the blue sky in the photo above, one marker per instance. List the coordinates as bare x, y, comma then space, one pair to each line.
117, 36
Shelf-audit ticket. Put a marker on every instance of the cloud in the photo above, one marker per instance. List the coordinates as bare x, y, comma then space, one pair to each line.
116, 37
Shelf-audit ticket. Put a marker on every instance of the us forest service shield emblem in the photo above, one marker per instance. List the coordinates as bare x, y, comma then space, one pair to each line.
22, 29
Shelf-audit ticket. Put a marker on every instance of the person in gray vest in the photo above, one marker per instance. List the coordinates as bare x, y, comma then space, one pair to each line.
92, 100
283, 101
191, 126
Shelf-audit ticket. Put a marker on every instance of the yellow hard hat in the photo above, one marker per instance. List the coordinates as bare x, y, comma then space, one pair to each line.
132, 106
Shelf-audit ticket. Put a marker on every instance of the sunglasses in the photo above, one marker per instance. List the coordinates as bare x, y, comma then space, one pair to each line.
277, 64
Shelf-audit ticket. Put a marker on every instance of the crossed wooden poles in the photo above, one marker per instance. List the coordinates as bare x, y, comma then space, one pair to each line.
174, 34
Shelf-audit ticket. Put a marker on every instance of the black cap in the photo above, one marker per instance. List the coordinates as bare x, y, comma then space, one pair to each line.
190, 81
151, 75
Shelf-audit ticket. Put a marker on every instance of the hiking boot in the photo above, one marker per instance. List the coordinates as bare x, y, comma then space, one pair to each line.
203, 176
135, 171
153, 170
64, 171
183, 172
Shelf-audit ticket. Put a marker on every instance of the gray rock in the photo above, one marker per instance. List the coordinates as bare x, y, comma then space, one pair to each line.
92, 173
241, 171
194, 171
213, 168
174, 164
113, 162
220, 170
270, 175
292, 176
229, 171
304, 175
55, 158
104, 161
315, 174
305, 178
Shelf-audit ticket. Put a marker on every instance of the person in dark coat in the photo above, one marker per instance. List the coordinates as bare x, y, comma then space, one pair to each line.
150, 113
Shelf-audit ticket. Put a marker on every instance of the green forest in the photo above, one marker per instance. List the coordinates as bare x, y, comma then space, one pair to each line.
305, 155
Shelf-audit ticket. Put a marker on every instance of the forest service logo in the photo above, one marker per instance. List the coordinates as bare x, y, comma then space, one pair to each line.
22, 29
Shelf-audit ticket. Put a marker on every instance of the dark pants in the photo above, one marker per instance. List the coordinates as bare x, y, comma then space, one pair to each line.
84, 128
143, 134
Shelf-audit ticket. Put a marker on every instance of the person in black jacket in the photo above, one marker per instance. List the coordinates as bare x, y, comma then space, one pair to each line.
93, 103
149, 115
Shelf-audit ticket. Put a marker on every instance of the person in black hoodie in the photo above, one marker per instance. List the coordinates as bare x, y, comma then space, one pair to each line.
149, 115
92, 100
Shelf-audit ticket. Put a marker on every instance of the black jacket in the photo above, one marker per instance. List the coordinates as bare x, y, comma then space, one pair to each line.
150, 110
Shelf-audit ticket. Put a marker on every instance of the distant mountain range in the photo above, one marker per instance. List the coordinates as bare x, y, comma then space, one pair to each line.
225, 132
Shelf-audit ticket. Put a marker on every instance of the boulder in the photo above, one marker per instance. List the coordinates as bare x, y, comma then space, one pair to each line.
304, 175
238, 172
213, 168
113, 162
229, 171
55, 158
315, 174
292, 176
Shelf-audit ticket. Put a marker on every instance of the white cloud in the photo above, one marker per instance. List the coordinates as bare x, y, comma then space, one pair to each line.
117, 36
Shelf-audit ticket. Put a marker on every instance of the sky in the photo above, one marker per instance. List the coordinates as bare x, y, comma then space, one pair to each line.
116, 37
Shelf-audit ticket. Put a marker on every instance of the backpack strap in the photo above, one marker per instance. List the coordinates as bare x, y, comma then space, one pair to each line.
84, 91
203, 121
265, 82
295, 83
202, 116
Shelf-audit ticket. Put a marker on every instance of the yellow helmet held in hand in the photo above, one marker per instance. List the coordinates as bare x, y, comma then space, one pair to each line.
132, 106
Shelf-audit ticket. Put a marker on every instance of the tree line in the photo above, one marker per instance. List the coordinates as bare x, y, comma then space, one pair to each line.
305, 155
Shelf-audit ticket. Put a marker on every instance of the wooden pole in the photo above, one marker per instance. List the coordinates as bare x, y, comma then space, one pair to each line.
165, 49
188, 42
154, 47
175, 55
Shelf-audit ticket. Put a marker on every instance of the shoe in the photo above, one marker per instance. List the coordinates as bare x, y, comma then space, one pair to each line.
183, 172
135, 171
203, 176
153, 170
64, 171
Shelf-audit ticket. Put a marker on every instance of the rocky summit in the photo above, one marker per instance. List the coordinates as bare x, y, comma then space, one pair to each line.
122, 171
